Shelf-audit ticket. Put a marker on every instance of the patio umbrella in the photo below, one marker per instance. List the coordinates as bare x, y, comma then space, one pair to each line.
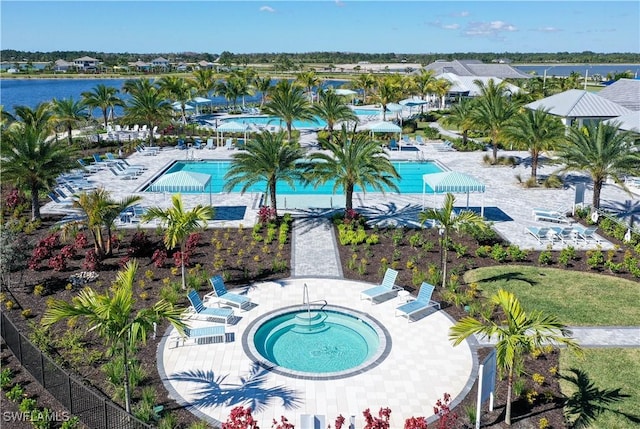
452, 182
182, 181
232, 127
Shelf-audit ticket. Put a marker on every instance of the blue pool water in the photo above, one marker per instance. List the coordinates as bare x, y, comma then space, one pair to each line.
367, 112
410, 181
274, 120
328, 341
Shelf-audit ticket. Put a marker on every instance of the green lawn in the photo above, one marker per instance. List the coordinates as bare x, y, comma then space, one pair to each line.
577, 298
608, 369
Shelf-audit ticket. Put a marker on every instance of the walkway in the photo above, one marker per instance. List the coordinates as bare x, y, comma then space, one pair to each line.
600, 336
314, 251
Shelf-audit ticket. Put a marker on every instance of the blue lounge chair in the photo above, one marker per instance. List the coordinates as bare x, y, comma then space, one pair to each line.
181, 145
224, 297
99, 161
565, 234
229, 144
123, 162
198, 144
393, 145
198, 310
419, 139
422, 302
206, 335
123, 175
209, 144
386, 289
539, 233
92, 168
549, 216
240, 143
586, 233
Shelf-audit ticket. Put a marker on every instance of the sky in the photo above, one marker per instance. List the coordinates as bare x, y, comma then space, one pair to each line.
328, 25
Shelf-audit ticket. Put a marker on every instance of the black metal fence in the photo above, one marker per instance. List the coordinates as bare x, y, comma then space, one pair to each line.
92, 408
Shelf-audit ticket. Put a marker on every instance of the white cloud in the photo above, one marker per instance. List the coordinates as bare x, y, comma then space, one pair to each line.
339, 3
267, 9
461, 14
439, 24
548, 29
489, 29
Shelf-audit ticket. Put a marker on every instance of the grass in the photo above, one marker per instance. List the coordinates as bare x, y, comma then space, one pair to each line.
608, 369
576, 298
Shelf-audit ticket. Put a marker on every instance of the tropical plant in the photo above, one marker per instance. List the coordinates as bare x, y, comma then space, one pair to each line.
536, 130
353, 160
263, 85
441, 89
603, 151
69, 113
448, 221
32, 162
103, 97
425, 83
460, 117
203, 82
309, 79
112, 316
40, 118
492, 110
388, 89
267, 158
287, 101
517, 334
178, 89
179, 224
365, 82
147, 104
101, 212
332, 109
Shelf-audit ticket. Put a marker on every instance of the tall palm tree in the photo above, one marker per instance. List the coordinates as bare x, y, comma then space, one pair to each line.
147, 105
133, 86
178, 89
288, 103
32, 162
6, 118
69, 113
425, 82
267, 158
179, 223
101, 212
331, 109
517, 334
263, 85
232, 88
536, 130
449, 221
103, 97
353, 160
309, 79
441, 88
492, 111
203, 82
365, 82
387, 90
113, 317
41, 118
603, 151
460, 117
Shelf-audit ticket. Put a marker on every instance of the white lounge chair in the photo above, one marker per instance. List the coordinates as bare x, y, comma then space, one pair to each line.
565, 235
198, 310
229, 144
420, 303
586, 233
540, 233
206, 335
225, 297
386, 289
209, 144
547, 215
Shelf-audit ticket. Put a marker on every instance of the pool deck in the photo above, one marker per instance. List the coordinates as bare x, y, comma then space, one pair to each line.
507, 204
421, 361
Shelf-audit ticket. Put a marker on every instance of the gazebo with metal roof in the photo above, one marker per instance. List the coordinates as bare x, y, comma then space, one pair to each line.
580, 105
452, 182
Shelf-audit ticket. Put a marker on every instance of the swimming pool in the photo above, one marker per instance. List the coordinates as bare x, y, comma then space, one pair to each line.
367, 112
410, 181
274, 120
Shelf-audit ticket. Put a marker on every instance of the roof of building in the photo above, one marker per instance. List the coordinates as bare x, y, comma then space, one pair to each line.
88, 59
625, 92
629, 122
466, 84
476, 68
160, 60
576, 103
62, 63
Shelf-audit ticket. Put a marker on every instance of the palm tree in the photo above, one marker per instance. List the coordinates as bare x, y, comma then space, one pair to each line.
6, 118
147, 105
449, 221
288, 103
536, 130
460, 117
387, 90
603, 151
32, 162
69, 113
263, 85
179, 90
332, 109
441, 88
179, 224
204, 82
40, 118
112, 316
101, 212
103, 97
425, 82
354, 160
309, 80
517, 334
267, 158
492, 111
365, 82
134, 86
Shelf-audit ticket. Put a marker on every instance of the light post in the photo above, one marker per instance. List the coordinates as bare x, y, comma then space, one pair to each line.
544, 81
441, 232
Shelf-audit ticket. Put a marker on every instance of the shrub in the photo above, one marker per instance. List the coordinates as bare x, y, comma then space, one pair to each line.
545, 258
595, 259
58, 263
447, 418
140, 245
567, 255
483, 251
38, 290
266, 214
159, 258
538, 379
91, 261
516, 254
498, 253
6, 378
16, 393
27, 405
